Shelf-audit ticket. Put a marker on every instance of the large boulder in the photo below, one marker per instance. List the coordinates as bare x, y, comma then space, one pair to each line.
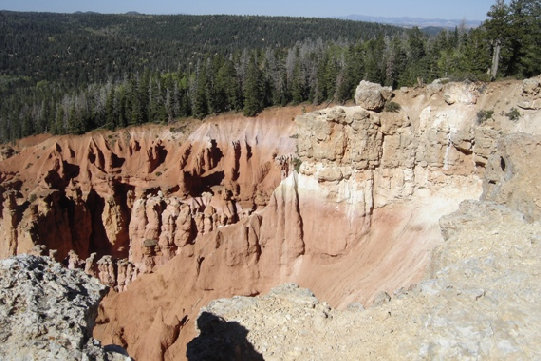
47, 312
371, 96
531, 87
511, 179
531, 93
461, 93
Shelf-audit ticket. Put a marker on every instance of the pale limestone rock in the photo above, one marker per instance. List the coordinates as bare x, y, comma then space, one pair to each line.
511, 179
371, 96
464, 93
532, 87
534, 104
481, 302
8, 228
329, 175
47, 312
436, 86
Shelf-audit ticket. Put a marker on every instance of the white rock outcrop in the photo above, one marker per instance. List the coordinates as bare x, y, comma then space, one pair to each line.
47, 312
371, 96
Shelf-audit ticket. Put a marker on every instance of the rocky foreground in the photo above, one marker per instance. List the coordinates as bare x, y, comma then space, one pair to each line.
47, 312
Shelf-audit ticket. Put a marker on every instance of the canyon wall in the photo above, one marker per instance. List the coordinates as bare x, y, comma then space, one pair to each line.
120, 203
479, 300
360, 217
344, 201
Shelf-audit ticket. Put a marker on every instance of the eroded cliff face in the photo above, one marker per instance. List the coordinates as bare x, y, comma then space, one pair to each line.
178, 219
139, 195
479, 300
360, 217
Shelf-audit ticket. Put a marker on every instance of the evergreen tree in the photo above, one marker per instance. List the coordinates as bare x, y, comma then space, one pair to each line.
475, 59
497, 31
374, 66
525, 37
253, 89
199, 93
122, 104
298, 85
331, 74
110, 122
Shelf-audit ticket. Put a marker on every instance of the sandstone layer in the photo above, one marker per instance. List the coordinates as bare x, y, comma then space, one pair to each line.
47, 312
359, 217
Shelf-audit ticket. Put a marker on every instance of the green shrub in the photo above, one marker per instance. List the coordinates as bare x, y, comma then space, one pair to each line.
297, 163
158, 173
484, 115
392, 107
513, 114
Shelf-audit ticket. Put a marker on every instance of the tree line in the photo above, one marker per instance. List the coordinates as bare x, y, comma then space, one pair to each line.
250, 78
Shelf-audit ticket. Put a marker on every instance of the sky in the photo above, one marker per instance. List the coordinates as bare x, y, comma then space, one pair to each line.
454, 9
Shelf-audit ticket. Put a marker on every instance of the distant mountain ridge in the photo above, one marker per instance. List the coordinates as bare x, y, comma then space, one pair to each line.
420, 22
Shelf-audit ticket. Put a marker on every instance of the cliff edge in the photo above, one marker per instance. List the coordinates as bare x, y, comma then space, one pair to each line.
480, 300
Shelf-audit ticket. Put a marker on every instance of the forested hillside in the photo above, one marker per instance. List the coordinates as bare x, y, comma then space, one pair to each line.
76, 48
73, 73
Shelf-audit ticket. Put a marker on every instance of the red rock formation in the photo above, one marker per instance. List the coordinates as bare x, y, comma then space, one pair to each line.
110, 193
360, 218
206, 215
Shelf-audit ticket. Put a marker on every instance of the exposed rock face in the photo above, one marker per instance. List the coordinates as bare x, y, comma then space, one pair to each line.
47, 312
480, 301
531, 89
226, 213
465, 93
382, 180
511, 179
138, 195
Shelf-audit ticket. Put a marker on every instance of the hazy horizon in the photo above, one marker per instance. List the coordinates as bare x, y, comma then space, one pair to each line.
428, 9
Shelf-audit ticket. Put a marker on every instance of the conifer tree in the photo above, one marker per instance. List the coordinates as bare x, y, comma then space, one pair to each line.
525, 37
253, 89
497, 31
109, 110
199, 98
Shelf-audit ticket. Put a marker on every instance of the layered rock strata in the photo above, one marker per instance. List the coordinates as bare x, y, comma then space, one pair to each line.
355, 214
138, 196
358, 219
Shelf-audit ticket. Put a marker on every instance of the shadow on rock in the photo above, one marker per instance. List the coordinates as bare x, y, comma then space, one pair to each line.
221, 340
